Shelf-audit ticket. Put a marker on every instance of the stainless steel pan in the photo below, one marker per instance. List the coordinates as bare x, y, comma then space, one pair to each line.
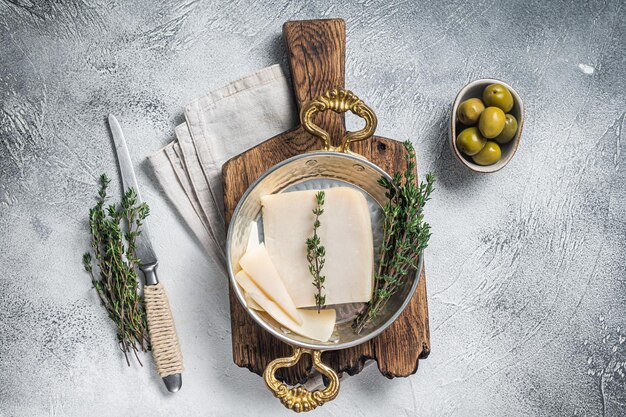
328, 167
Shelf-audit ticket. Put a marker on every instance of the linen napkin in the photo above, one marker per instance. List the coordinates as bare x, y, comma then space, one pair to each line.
220, 125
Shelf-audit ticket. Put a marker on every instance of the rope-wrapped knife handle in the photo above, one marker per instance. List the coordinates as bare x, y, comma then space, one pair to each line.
163, 337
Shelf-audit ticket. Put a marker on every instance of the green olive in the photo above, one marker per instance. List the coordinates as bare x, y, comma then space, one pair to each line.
470, 141
497, 95
491, 122
469, 111
509, 131
488, 155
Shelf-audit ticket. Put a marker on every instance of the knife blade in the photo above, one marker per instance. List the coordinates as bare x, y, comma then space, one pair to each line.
144, 249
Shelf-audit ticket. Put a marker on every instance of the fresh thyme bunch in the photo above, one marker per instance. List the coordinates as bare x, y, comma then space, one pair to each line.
316, 253
405, 235
114, 230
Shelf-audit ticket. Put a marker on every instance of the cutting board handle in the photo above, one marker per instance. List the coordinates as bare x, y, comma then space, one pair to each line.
317, 60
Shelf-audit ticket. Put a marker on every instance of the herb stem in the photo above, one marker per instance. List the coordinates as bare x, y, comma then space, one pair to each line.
316, 253
405, 235
115, 279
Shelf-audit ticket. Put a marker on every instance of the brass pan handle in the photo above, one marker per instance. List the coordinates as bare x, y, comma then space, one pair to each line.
299, 398
338, 100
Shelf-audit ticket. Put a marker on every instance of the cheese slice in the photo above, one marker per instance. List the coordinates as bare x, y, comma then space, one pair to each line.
245, 282
251, 303
345, 232
253, 239
314, 326
248, 286
259, 266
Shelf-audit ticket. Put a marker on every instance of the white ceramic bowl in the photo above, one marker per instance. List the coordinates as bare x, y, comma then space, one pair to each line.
475, 90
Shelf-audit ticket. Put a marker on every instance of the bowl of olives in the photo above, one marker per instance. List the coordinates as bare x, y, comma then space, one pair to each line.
486, 125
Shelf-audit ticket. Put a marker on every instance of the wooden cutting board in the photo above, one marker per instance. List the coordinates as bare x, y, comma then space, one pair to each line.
317, 50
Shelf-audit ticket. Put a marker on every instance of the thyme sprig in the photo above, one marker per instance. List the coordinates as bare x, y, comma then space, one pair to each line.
114, 230
315, 253
405, 235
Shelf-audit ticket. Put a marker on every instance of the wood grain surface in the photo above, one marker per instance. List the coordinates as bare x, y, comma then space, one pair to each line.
317, 60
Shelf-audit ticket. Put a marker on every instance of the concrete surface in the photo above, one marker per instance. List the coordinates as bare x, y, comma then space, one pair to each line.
526, 268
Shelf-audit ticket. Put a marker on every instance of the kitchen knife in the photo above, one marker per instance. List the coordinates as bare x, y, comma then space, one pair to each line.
163, 338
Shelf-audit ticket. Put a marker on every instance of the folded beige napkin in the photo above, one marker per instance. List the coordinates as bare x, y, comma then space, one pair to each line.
220, 125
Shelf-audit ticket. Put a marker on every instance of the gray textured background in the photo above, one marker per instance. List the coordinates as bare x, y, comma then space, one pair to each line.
526, 268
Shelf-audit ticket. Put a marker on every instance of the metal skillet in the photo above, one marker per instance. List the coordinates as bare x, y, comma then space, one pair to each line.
331, 166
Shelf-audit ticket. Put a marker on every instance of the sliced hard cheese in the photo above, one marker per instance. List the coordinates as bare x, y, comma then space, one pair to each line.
260, 268
314, 326
253, 239
251, 303
248, 286
345, 232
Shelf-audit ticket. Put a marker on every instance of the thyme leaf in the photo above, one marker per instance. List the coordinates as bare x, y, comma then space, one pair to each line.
113, 266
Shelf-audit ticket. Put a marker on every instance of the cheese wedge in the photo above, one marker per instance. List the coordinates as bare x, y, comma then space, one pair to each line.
259, 266
253, 239
314, 326
345, 232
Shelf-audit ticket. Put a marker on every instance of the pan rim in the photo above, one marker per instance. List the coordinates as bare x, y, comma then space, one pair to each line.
256, 317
